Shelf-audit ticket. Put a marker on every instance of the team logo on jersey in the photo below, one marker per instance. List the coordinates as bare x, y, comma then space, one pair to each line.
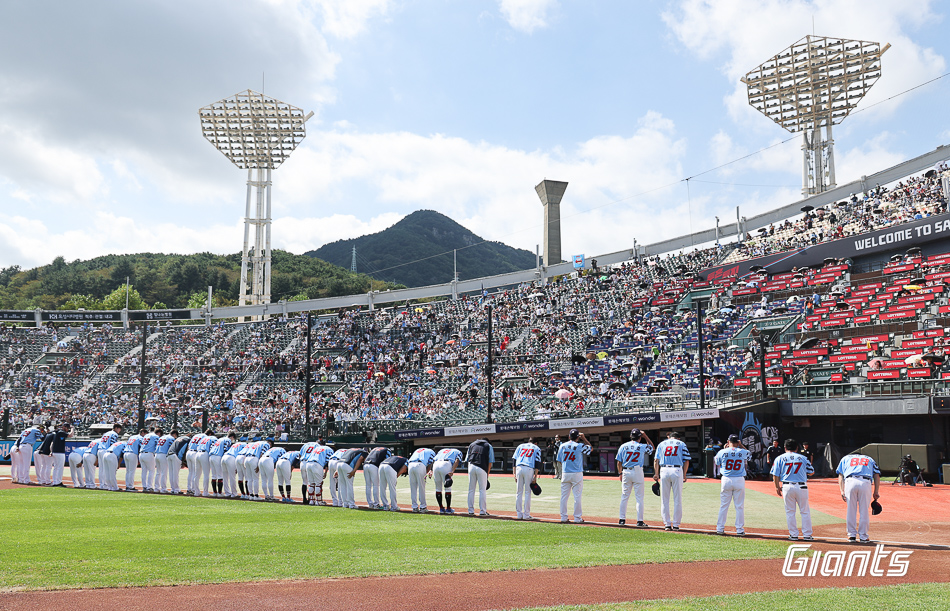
857, 563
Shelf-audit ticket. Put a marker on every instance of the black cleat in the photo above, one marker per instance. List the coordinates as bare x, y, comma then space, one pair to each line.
642, 524
622, 522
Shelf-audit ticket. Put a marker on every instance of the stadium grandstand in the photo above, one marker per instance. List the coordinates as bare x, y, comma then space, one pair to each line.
826, 319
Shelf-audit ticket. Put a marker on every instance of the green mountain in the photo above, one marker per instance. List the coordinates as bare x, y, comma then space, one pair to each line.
417, 251
160, 281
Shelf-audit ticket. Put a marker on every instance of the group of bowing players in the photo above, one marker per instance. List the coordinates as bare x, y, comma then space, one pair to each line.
224, 467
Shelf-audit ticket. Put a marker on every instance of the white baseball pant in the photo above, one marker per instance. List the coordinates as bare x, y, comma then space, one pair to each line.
371, 481
387, 483
20, 458
331, 476
174, 466
131, 464
671, 484
203, 460
314, 481
572, 483
417, 485
161, 473
59, 463
241, 476
192, 465
217, 471
229, 471
147, 462
477, 478
43, 467
440, 469
732, 491
523, 476
102, 474
253, 477
631, 480
796, 494
266, 465
75, 470
859, 492
89, 469
108, 468
347, 496
284, 470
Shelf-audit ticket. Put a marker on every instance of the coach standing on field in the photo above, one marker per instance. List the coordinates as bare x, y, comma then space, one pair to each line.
480, 457
572, 453
790, 473
670, 465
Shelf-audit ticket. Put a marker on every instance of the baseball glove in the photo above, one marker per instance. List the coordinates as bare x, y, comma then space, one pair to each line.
535, 488
487, 485
656, 488
448, 481
876, 508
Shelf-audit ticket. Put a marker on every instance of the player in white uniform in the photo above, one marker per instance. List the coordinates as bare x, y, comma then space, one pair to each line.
571, 454
162, 447
147, 459
527, 465
790, 473
347, 466
285, 468
203, 462
131, 457
229, 469
333, 480
267, 465
670, 465
631, 457
109, 465
389, 471
106, 442
447, 460
732, 461
251, 467
81, 469
305, 450
192, 465
316, 465
371, 475
216, 454
420, 468
21, 456
859, 481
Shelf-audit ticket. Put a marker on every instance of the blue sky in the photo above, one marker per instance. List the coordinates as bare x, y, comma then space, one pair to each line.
461, 107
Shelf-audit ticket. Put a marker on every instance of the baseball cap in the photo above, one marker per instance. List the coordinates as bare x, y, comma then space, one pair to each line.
733, 438
635, 434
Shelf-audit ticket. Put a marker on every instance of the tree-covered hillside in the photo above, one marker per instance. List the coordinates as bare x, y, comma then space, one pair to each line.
160, 280
421, 238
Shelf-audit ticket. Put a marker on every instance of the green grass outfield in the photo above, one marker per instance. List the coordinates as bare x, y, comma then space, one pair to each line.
62, 538
912, 597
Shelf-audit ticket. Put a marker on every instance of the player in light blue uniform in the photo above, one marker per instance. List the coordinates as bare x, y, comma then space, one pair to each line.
267, 465
571, 454
105, 442
191, 462
316, 464
147, 459
790, 473
203, 461
420, 467
109, 466
305, 450
251, 467
857, 475
527, 465
732, 461
447, 460
78, 467
670, 465
21, 456
230, 470
162, 448
284, 468
216, 454
131, 456
630, 460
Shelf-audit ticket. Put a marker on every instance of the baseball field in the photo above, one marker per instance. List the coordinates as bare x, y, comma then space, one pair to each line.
95, 549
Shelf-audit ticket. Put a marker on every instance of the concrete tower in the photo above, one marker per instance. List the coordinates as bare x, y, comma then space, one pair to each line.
551, 192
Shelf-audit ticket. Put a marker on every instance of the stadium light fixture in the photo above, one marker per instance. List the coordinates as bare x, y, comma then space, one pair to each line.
256, 133
810, 86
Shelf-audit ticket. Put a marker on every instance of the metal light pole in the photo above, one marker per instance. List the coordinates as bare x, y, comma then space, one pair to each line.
488, 370
309, 381
761, 339
142, 378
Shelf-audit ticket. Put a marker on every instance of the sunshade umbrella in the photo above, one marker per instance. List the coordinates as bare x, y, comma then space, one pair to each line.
562, 394
914, 359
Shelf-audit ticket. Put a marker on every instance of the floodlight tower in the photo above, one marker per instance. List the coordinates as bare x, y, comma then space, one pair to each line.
256, 133
814, 84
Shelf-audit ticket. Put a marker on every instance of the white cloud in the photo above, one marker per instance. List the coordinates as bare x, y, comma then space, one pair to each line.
526, 15
38, 168
348, 18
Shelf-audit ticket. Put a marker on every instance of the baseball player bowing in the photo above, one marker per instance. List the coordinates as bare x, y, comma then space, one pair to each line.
732, 461
315, 463
390, 469
351, 462
631, 457
790, 473
371, 475
447, 460
526, 468
479, 457
670, 465
571, 454
420, 467
284, 468
856, 474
